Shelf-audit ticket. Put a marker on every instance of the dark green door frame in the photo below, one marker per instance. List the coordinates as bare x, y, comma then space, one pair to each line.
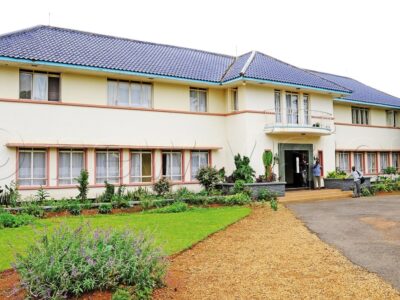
295, 147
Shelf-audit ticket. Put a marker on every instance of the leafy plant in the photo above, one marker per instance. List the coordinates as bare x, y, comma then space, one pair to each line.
390, 171
105, 208
121, 294
9, 220
338, 174
366, 192
137, 194
162, 186
9, 196
109, 192
83, 185
175, 207
74, 208
33, 209
41, 195
266, 195
119, 202
209, 177
66, 263
274, 204
243, 169
237, 199
267, 159
146, 203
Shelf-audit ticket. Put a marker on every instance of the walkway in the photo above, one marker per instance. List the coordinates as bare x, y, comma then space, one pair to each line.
269, 255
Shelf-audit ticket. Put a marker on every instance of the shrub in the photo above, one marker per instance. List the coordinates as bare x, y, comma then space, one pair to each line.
66, 263
390, 171
137, 194
337, 175
162, 187
10, 220
121, 294
237, 199
274, 204
33, 209
108, 193
243, 169
119, 202
9, 196
147, 203
74, 208
209, 177
105, 208
266, 195
83, 185
41, 195
175, 207
366, 192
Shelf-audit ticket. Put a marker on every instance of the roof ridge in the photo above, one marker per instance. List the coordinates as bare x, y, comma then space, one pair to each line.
126, 39
329, 74
248, 62
304, 70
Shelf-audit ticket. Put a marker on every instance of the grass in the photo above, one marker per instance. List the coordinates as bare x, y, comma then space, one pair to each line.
174, 232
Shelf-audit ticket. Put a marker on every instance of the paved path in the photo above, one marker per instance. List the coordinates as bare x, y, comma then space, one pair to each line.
269, 255
366, 230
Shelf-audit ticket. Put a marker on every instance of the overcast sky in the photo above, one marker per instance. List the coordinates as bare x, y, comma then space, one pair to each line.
355, 38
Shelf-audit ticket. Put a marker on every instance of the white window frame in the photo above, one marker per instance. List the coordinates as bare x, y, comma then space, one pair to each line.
306, 109
292, 111
199, 166
32, 178
72, 180
114, 101
393, 118
384, 163
107, 177
343, 160
173, 177
396, 160
234, 100
370, 170
195, 105
361, 167
48, 74
360, 115
278, 106
141, 176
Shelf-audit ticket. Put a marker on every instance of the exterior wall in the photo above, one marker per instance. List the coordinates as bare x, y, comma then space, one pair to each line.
83, 89
9, 82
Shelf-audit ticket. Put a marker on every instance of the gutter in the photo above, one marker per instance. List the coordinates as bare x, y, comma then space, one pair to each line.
366, 103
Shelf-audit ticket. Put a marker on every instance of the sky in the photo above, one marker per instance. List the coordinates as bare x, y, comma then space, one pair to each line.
355, 38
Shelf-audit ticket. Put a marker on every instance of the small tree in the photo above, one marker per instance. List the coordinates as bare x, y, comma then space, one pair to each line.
267, 159
243, 169
209, 177
83, 185
41, 195
162, 186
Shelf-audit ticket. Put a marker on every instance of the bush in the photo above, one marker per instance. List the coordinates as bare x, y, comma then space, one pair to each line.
108, 193
237, 199
41, 195
337, 175
33, 209
209, 177
74, 208
10, 220
366, 192
266, 195
390, 171
119, 202
162, 187
121, 294
243, 169
67, 262
105, 208
137, 194
83, 185
274, 204
175, 207
9, 196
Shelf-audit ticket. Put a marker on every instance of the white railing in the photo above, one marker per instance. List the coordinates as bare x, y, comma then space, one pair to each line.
292, 118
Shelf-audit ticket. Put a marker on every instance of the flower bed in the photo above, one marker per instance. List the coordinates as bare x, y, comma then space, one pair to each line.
255, 188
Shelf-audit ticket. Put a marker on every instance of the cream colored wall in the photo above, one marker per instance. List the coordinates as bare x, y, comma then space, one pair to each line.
83, 89
9, 82
173, 97
343, 114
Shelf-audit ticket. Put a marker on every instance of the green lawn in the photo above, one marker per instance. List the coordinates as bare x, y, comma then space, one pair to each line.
174, 232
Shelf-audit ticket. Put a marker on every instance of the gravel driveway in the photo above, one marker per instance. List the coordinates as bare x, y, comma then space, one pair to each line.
366, 230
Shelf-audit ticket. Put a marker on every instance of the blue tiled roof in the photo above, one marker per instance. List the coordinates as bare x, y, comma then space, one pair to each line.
361, 92
84, 49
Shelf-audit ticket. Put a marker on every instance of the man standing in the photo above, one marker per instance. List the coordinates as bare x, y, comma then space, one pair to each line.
357, 182
317, 174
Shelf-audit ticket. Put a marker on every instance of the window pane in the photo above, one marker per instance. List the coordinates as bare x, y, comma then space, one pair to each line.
123, 93
135, 167
384, 161
40, 86
101, 167
166, 164
176, 166
77, 164
54, 88
389, 118
113, 164
146, 95
25, 83
278, 117
202, 101
112, 92
358, 161
64, 165
195, 164
235, 104
194, 106
39, 165
146, 164
24, 164
135, 94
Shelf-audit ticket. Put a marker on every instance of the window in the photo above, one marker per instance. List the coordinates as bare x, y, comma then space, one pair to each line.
172, 165
306, 107
235, 100
125, 93
292, 102
392, 118
360, 115
396, 160
39, 86
141, 166
372, 163
199, 160
343, 162
278, 109
384, 160
107, 166
198, 100
70, 165
359, 161
32, 167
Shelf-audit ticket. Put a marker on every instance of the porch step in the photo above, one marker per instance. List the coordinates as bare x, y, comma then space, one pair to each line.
314, 195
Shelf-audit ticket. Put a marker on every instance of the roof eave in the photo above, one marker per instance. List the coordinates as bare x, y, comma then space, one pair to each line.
361, 102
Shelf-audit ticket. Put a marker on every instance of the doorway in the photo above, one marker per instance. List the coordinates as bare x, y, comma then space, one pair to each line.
295, 164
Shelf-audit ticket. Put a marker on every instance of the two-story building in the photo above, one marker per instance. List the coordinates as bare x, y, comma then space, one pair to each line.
131, 112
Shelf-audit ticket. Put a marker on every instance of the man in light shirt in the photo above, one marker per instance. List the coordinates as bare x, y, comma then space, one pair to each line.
357, 182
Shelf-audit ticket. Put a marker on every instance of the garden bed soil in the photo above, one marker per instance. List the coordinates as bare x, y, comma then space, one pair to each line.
269, 255
91, 212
